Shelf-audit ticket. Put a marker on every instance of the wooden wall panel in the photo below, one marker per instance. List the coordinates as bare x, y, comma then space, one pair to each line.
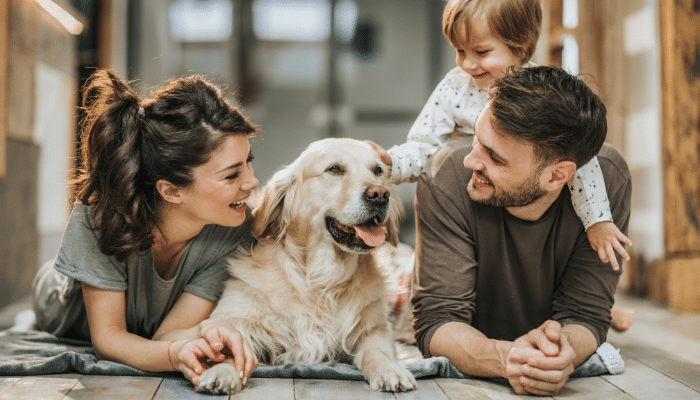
18, 221
680, 43
675, 282
4, 71
21, 82
589, 36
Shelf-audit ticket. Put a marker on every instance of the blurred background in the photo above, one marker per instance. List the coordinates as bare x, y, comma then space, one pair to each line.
309, 69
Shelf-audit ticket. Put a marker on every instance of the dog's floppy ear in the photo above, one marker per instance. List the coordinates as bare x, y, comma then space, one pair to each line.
269, 220
395, 216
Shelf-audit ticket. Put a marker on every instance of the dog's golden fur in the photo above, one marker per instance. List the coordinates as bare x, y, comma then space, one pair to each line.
309, 291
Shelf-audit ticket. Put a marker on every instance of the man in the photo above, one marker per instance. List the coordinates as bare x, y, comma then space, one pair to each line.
508, 284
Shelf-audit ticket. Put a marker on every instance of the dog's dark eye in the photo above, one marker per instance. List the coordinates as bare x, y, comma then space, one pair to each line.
335, 169
378, 170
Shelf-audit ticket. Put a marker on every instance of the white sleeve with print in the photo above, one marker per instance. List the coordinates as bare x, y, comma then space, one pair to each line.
588, 194
453, 106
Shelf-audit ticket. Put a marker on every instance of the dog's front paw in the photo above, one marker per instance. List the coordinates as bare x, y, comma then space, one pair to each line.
220, 379
391, 377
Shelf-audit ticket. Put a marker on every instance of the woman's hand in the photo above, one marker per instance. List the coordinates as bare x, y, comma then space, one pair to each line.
224, 341
190, 356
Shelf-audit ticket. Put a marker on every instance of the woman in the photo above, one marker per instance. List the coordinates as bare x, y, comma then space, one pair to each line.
161, 205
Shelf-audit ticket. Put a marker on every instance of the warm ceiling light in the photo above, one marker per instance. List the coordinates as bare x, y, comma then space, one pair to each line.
72, 25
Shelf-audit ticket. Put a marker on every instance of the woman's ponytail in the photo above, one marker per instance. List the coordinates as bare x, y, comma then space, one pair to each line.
111, 163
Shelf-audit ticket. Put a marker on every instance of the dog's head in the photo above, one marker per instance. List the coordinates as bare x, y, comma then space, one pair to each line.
337, 188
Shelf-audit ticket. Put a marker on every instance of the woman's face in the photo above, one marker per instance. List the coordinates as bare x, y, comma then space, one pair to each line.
222, 185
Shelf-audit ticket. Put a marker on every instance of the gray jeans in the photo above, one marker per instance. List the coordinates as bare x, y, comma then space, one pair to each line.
58, 304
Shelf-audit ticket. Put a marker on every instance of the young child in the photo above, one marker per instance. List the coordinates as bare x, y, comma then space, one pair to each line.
489, 37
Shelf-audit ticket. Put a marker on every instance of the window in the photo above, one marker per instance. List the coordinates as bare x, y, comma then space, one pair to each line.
304, 20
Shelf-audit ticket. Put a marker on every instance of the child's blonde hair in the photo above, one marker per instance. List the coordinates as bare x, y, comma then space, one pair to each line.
516, 22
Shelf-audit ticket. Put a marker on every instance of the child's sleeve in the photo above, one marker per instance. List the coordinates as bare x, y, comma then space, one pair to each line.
430, 132
588, 194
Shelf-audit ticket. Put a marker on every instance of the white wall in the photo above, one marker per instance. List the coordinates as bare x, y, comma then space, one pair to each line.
53, 133
642, 127
119, 46
161, 57
397, 78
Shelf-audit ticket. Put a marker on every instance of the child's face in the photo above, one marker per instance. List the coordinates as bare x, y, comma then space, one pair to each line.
485, 57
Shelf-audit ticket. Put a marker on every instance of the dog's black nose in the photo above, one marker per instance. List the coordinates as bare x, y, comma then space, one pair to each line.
377, 194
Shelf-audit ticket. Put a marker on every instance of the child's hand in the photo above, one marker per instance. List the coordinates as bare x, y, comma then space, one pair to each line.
604, 237
383, 155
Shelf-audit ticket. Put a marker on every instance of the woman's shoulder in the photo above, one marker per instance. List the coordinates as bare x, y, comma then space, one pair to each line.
79, 255
82, 211
81, 220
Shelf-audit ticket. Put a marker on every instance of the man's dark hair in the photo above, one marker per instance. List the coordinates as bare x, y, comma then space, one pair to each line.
552, 110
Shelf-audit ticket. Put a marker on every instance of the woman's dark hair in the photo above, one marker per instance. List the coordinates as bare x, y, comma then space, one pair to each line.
129, 144
552, 110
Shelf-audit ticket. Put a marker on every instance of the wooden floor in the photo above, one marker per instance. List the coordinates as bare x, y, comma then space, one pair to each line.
661, 353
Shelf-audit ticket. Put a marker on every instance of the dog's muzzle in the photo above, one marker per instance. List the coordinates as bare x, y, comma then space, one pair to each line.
361, 238
369, 232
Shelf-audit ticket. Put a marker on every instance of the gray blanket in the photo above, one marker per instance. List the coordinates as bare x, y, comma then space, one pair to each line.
32, 352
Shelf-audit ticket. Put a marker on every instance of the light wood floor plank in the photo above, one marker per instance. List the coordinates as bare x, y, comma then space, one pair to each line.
653, 312
593, 388
426, 389
323, 389
41, 387
7, 382
658, 327
181, 389
653, 336
462, 389
643, 382
266, 388
682, 371
114, 388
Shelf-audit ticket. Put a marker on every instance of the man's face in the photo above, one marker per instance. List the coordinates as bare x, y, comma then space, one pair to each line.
505, 172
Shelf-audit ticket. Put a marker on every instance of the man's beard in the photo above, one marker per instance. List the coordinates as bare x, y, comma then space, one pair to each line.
525, 194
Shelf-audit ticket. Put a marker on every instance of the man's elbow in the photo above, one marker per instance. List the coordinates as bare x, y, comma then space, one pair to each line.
582, 340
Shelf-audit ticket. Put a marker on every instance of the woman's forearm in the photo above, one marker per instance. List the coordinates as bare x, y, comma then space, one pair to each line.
135, 351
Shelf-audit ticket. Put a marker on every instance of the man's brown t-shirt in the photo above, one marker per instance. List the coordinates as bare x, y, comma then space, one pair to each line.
502, 275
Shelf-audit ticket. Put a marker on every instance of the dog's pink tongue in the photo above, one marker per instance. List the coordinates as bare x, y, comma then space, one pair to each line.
372, 237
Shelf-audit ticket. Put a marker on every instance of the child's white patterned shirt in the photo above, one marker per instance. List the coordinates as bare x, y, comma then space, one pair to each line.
452, 109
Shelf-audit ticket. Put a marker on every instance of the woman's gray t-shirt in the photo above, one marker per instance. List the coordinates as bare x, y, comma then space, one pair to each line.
201, 271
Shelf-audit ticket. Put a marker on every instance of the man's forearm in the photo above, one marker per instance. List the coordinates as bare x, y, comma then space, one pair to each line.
470, 351
582, 341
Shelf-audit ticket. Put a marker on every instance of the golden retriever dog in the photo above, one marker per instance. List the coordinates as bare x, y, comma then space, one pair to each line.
309, 291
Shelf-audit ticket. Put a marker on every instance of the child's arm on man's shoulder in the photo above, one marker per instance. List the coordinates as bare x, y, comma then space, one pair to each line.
590, 200
605, 238
434, 126
383, 155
